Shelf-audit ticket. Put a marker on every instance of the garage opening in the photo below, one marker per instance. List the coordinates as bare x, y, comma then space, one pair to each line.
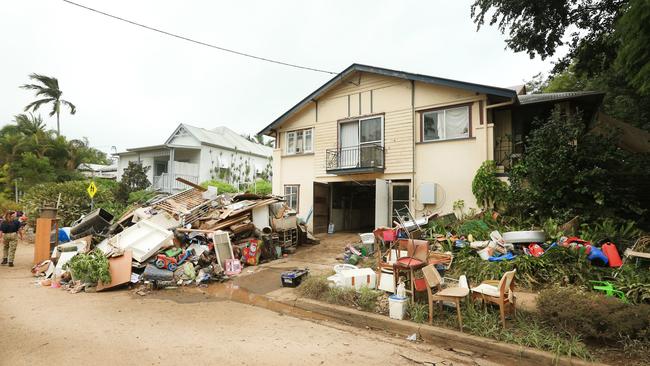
353, 206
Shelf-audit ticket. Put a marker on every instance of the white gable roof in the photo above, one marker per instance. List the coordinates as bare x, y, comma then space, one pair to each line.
223, 137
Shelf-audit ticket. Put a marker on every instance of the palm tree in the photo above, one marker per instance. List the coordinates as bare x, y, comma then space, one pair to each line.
29, 125
51, 93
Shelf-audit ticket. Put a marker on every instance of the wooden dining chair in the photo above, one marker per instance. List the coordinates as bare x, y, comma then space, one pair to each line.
503, 294
417, 254
437, 294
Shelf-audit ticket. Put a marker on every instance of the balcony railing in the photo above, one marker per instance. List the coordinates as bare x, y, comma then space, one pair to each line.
355, 159
165, 183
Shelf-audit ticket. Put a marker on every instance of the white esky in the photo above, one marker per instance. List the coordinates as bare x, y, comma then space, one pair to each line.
132, 86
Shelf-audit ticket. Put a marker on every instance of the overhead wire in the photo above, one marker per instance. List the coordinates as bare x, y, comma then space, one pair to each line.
244, 54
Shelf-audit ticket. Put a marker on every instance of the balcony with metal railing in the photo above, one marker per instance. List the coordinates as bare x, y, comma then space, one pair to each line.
363, 158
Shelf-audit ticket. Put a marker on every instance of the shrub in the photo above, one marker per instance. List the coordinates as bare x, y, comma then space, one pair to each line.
314, 287
557, 266
367, 299
134, 179
261, 187
634, 283
488, 190
418, 312
141, 196
567, 171
341, 296
525, 329
75, 201
89, 268
222, 187
621, 233
317, 288
593, 316
8, 204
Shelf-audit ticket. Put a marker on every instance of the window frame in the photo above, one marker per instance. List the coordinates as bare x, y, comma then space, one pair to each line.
443, 109
358, 121
297, 187
296, 150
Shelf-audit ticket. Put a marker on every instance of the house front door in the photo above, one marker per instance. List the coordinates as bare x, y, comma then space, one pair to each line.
349, 145
321, 207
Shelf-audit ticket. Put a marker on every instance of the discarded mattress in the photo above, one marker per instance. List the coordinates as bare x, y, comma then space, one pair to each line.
144, 239
524, 237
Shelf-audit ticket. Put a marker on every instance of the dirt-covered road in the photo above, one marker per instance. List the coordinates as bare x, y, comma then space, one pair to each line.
51, 326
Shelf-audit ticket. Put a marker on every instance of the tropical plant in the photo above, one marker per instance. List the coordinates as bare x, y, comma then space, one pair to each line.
30, 154
623, 233
51, 93
486, 187
90, 268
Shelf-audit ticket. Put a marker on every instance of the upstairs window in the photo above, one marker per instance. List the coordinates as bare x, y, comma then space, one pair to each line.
446, 124
292, 195
300, 141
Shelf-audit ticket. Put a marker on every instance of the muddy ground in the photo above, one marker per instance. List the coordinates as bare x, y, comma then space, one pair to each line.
119, 327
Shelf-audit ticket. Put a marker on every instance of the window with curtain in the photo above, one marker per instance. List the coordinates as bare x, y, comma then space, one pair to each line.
291, 195
445, 124
300, 141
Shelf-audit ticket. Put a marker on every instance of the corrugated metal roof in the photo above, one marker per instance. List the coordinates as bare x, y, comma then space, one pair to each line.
486, 89
554, 97
229, 139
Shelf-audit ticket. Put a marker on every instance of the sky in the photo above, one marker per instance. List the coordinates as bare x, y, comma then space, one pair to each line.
132, 86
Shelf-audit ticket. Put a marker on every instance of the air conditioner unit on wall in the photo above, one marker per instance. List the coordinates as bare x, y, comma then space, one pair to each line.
427, 193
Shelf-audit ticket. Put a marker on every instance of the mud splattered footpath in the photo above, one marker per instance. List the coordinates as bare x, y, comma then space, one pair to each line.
50, 325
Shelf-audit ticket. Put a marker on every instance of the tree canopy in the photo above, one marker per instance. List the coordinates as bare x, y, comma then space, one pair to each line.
608, 44
50, 93
30, 154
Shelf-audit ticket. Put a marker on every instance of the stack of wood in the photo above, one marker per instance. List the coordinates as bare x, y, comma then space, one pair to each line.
234, 217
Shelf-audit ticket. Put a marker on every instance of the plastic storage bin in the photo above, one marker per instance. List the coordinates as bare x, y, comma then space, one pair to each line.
397, 307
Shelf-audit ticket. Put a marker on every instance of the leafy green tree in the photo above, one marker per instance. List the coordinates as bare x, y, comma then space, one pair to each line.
133, 179
51, 93
26, 148
567, 172
633, 57
33, 169
608, 46
540, 28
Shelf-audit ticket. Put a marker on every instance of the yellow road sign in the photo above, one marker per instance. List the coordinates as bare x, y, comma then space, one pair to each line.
92, 189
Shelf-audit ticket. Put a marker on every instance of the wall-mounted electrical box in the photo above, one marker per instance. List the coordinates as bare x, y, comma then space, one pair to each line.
427, 193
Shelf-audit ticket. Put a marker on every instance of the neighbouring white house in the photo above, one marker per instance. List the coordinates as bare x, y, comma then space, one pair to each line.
198, 154
98, 170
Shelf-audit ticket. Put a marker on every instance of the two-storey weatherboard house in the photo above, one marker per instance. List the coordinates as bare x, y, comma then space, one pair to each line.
372, 140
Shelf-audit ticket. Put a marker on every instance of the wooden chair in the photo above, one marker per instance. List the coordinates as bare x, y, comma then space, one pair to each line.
451, 294
416, 258
503, 294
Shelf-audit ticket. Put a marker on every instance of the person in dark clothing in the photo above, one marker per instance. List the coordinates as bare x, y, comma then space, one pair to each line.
10, 230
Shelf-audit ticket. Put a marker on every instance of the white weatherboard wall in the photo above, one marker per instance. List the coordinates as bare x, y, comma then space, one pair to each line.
214, 157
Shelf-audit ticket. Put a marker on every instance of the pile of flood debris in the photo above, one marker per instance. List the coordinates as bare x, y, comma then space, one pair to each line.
192, 237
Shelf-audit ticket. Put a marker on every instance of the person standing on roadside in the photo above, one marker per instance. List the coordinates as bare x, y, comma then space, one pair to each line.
10, 229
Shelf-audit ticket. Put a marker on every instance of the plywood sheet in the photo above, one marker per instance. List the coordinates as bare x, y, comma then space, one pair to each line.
120, 269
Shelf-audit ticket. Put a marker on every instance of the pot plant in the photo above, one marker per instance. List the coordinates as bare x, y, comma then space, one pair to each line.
89, 268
